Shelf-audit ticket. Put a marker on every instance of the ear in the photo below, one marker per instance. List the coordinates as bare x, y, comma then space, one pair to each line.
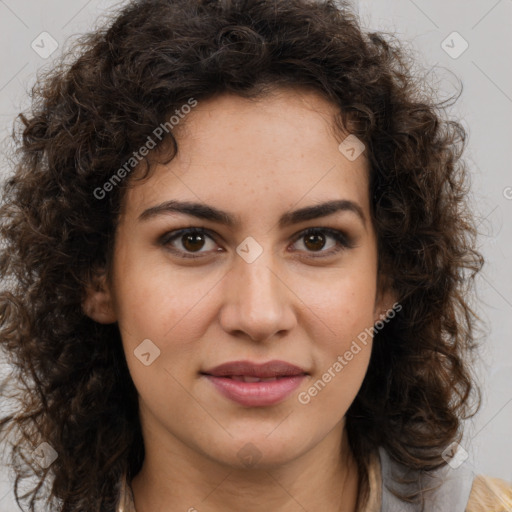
386, 301
98, 304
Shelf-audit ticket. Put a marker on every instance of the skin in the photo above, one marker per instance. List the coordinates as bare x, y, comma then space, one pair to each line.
255, 159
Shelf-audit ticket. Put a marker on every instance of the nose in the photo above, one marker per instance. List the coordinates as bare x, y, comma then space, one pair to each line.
257, 301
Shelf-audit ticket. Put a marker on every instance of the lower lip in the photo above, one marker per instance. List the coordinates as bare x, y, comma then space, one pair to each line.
256, 394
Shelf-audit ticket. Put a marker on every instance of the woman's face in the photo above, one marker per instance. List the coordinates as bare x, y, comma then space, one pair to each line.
254, 291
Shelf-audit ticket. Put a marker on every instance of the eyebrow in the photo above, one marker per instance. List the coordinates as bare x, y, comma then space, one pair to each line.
206, 212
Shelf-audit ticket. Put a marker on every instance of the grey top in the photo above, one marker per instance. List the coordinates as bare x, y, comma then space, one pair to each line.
450, 487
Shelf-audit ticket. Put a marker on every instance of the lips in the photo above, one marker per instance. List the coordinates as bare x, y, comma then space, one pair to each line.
247, 378
256, 385
269, 370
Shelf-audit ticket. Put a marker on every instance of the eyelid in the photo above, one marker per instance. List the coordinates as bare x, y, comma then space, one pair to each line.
343, 240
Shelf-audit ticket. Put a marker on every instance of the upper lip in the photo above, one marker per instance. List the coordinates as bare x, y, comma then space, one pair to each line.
262, 370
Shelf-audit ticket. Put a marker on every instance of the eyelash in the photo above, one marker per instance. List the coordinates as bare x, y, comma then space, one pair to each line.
343, 241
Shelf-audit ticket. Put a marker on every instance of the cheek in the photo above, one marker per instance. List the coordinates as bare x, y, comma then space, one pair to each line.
342, 349
170, 308
171, 314
345, 305
150, 298
342, 313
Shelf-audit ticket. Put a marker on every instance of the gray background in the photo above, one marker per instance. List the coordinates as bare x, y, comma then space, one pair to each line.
485, 109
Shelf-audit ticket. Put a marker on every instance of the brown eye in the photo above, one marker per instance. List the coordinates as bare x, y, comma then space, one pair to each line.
186, 242
193, 242
314, 242
190, 242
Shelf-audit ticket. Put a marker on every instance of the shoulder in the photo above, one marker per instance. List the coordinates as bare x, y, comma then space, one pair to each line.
490, 494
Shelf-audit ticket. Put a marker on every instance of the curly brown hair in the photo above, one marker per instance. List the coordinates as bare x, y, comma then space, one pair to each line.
101, 102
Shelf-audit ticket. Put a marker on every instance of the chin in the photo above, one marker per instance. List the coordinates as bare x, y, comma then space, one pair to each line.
258, 452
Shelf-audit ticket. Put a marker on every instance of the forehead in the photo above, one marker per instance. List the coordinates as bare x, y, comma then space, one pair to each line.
278, 149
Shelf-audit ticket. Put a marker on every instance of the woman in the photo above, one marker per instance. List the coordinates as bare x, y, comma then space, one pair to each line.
238, 252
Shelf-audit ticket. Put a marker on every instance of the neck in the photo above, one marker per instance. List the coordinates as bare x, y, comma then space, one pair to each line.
180, 479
